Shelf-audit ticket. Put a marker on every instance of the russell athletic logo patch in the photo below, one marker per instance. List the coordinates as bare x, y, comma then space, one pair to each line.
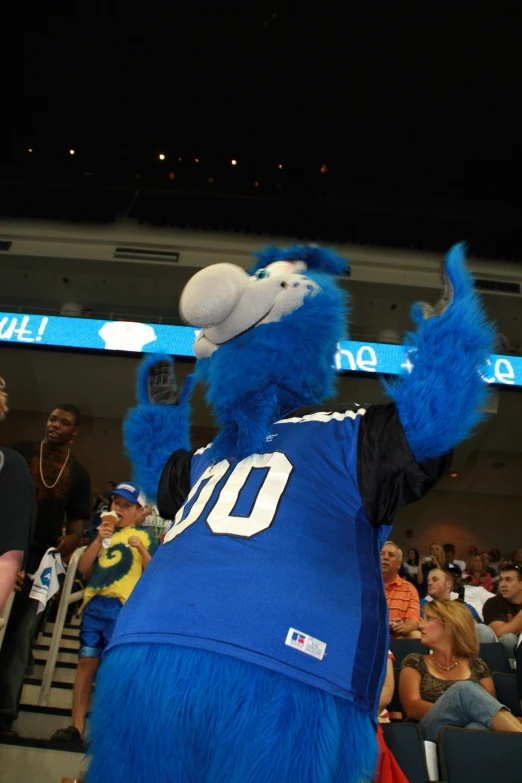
305, 643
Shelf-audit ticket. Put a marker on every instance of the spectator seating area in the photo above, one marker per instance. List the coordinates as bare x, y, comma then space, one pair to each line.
501, 751
478, 756
403, 647
493, 654
506, 688
464, 755
406, 742
495, 657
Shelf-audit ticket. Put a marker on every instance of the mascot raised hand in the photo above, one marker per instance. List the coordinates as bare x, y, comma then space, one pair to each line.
253, 648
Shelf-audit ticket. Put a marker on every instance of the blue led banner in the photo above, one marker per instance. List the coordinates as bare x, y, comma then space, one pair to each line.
97, 335
395, 359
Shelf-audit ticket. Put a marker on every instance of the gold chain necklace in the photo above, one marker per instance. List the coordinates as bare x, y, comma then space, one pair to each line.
51, 486
444, 668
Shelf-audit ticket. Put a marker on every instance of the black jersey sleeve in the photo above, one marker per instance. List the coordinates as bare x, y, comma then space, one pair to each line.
387, 473
174, 485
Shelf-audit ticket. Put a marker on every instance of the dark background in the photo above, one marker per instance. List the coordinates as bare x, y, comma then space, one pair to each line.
412, 108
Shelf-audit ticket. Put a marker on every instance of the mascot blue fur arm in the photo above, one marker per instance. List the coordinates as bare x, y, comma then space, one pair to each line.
439, 401
231, 662
162, 418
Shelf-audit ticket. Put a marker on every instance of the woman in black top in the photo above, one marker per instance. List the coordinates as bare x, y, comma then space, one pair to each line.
435, 559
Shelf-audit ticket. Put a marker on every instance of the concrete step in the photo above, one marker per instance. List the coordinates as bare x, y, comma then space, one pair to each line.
73, 622
40, 722
41, 659
27, 760
69, 641
60, 695
60, 676
68, 629
62, 672
65, 654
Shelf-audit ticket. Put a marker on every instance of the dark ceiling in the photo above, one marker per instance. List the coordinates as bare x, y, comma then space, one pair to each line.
393, 124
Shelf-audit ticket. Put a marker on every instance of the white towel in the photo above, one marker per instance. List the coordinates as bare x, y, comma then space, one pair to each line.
477, 597
45, 579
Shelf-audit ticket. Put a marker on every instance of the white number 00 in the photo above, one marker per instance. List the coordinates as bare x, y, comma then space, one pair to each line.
220, 518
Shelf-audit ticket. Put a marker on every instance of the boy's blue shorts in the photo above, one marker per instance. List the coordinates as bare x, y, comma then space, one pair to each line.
98, 621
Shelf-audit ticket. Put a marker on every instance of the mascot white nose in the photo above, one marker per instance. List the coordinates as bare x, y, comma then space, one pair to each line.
212, 294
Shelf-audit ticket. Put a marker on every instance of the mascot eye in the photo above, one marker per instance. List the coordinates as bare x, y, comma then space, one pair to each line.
262, 273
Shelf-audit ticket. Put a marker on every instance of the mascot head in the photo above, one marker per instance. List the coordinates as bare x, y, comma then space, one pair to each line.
267, 339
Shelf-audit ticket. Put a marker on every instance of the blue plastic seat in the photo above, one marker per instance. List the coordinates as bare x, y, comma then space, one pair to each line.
406, 742
495, 657
476, 756
403, 647
506, 688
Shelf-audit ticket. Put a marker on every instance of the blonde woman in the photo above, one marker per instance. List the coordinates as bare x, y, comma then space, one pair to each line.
476, 573
451, 687
435, 559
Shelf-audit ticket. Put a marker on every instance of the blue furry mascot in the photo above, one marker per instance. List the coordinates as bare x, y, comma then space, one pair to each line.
253, 648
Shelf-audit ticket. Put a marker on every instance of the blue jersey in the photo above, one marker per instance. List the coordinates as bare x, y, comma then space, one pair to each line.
275, 558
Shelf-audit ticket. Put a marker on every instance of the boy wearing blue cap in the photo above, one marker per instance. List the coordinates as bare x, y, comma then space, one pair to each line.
117, 558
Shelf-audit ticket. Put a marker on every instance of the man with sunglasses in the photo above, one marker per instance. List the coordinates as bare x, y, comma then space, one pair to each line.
503, 612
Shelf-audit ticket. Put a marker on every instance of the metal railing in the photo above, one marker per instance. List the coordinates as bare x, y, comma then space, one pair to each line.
67, 598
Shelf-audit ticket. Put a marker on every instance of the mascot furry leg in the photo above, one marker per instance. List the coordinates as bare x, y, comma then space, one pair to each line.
253, 648
217, 718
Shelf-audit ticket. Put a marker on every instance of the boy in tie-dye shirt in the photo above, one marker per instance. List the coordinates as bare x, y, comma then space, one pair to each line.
116, 559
